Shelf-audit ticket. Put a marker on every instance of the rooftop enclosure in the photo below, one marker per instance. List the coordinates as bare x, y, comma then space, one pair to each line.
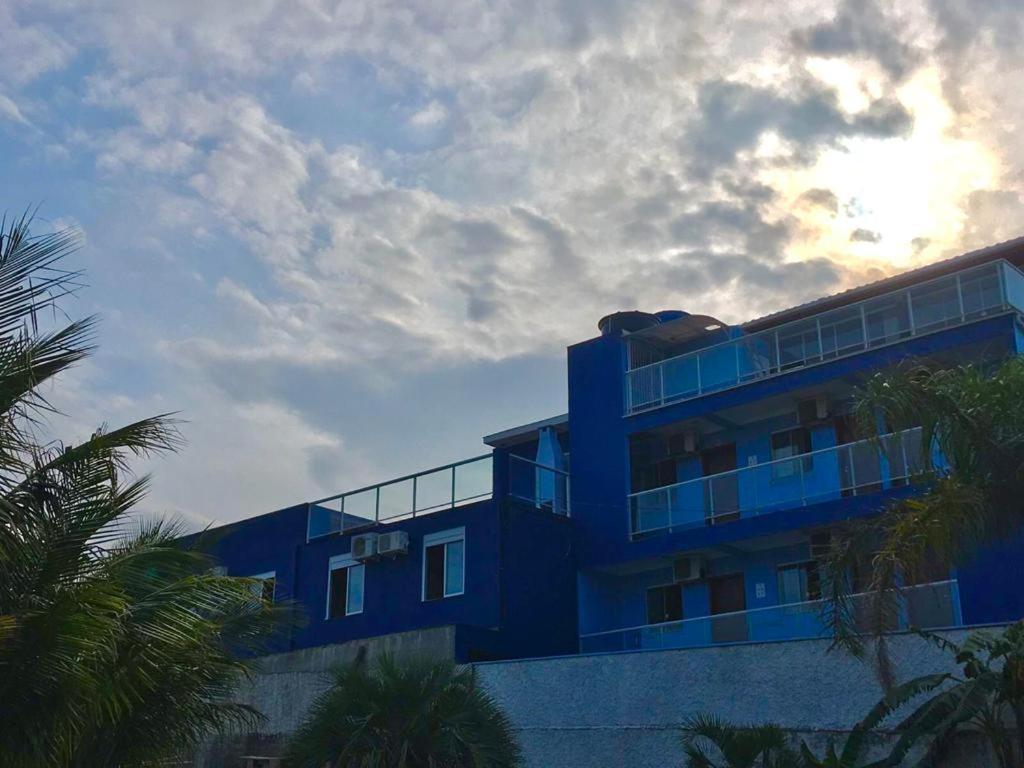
657, 375
861, 467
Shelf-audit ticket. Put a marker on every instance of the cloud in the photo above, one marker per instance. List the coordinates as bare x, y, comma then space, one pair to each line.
860, 28
347, 219
864, 236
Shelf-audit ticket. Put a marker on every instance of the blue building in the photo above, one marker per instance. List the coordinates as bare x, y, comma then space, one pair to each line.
684, 500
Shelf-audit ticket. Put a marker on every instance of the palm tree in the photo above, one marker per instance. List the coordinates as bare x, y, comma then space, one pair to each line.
987, 697
711, 743
417, 714
971, 417
118, 647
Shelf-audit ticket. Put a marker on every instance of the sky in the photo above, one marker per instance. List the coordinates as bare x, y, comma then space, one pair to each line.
345, 240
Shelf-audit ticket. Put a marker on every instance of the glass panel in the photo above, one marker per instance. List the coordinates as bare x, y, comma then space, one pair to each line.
792, 584
981, 291
842, 332
650, 510
723, 496
718, 368
935, 305
1014, 286
473, 480
360, 509
798, 345
324, 518
681, 378
434, 490
758, 356
355, 588
396, 500
453, 568
887, 319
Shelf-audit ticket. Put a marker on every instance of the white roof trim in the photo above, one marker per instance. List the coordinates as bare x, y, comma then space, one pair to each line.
517, 434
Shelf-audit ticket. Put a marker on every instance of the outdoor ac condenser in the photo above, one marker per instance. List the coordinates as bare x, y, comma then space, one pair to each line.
364, 546
393, 543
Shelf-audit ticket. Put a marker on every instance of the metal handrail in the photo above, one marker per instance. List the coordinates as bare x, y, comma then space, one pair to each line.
801, 605
452, 502
658, 402
787, 460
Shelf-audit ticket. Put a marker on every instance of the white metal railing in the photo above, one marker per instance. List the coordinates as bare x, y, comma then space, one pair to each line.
844, 470
925, 606
429, 491
539, 485
917, 310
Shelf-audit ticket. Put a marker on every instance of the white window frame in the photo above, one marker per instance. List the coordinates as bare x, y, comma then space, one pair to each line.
264, 577
337, 563
434, 539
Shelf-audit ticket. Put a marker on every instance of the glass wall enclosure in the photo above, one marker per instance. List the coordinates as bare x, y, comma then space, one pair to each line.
927, 606
865, 466
920, 309
430, 491
538, 485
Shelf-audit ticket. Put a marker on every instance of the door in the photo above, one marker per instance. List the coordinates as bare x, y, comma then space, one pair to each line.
721, 494
728, 603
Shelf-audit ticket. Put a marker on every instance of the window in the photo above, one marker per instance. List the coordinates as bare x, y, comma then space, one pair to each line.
665, 603
267, 585
345, 587
444, 564
787, 444
799, 582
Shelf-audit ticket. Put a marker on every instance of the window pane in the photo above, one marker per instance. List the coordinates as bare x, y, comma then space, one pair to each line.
339, 589
453, 576
664, 604
792, 584
434, 573
355, 589
655, 605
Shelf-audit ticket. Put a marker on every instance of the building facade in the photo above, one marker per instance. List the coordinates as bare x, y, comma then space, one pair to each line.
684, 500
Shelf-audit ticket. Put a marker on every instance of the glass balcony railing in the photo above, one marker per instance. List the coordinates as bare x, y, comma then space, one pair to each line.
924, 308
539, 486
926, 606
853, 469
430, 491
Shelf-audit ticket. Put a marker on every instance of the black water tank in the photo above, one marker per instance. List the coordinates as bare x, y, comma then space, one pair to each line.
630, 321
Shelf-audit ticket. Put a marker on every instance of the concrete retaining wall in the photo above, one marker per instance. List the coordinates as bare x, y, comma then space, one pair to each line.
626, 709
618, 709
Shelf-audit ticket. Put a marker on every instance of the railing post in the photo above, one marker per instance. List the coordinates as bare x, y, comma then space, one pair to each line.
910, 314
453, 487
661, 383
700, 385
414, 496
376, 506
341, 520
960, 298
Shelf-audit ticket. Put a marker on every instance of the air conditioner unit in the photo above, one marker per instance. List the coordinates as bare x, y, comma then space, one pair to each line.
393, 543
683, 443
688, 569
364, 546
821, 545
812, 410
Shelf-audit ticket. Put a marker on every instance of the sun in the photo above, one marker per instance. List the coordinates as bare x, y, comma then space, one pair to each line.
897, 201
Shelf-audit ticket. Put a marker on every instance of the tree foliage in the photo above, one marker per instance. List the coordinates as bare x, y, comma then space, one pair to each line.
118, 647
971, 470
416, 714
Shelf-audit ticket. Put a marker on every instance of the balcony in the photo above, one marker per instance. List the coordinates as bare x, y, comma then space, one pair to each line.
927, 307
866, 466
926, 606
538, 486
433, 490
